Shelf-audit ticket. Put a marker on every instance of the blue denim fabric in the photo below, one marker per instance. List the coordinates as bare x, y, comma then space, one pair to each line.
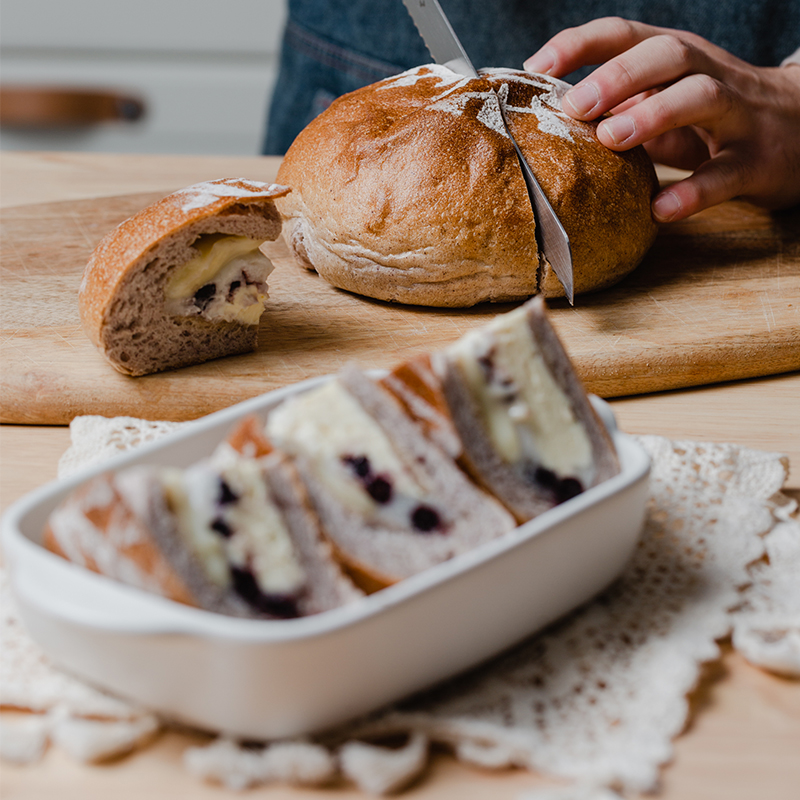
331, 47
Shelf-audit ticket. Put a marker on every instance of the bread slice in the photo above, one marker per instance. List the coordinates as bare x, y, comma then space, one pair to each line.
392, 502
231, 535
528, 432
182, 281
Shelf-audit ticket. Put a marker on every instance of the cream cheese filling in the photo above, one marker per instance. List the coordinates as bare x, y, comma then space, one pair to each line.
528, 416
350, 454
226, 280
227, 518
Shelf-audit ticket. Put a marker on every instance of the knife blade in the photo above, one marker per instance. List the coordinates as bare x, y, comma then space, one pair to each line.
551, 237
446, 49
439, 36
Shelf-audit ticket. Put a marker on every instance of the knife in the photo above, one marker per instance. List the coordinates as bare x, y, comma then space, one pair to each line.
444, 46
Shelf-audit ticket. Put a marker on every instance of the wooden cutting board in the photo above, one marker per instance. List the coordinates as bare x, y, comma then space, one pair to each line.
716, 299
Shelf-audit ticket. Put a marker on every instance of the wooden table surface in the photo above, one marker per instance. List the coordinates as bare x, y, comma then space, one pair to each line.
743, 738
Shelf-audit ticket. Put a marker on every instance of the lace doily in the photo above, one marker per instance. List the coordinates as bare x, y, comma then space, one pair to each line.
597, 698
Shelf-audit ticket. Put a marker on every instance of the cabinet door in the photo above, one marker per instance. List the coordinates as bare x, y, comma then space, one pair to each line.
204, 69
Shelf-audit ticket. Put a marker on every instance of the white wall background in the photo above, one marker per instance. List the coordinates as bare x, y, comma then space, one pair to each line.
204, 68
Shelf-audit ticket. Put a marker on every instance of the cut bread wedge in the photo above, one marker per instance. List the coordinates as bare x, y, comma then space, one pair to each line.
526, 428
183, 281
392, 501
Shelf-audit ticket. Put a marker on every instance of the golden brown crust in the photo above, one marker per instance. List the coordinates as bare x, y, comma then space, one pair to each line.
364, 576
409, 190
415, 374
419, 391
248, 438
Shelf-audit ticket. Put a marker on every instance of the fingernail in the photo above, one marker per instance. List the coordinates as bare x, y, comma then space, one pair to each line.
543, 61
619, 129
666, 206
582, 98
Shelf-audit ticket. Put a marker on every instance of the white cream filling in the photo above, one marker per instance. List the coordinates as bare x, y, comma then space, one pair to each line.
326, 427
528, 416
258, 539
226, 280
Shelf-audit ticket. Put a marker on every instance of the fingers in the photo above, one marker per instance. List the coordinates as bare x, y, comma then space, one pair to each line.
691, 104
593, 43
715, 181
660, 60
632, 101
695, 100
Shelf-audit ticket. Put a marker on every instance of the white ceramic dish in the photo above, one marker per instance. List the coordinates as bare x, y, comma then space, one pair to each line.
265, 679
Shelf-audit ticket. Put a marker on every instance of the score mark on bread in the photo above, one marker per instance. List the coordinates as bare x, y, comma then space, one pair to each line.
183, 281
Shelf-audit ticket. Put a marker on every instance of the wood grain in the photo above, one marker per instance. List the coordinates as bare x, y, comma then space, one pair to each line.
45, 177
716, 299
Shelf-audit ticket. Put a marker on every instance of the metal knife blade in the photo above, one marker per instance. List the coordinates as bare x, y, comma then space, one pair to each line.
551, 237
446, 49
439, 36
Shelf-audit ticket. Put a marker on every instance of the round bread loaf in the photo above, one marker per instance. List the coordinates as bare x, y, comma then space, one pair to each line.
182, 281
410, 190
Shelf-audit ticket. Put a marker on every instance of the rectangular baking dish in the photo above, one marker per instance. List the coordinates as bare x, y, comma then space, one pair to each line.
276, 679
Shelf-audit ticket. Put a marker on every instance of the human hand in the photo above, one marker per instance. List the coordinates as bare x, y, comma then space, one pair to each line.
691, 104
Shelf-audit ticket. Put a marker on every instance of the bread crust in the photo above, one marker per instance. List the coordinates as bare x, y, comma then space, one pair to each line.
124, 280
409, 190
327, 586
103, 527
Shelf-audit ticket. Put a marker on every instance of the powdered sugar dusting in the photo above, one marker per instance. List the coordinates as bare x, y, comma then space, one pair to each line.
445, 77
204, 194
489, 113
546, 107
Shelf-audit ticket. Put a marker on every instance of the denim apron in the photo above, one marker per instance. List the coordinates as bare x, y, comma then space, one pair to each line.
331, 47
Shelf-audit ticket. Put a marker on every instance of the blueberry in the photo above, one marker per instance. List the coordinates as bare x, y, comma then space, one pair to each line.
567, 488
204, 295
544, 477
221, 527
380, 489
280, 605
359, 464
232, 288
276, 605
425, 519
226, 494
562, 489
